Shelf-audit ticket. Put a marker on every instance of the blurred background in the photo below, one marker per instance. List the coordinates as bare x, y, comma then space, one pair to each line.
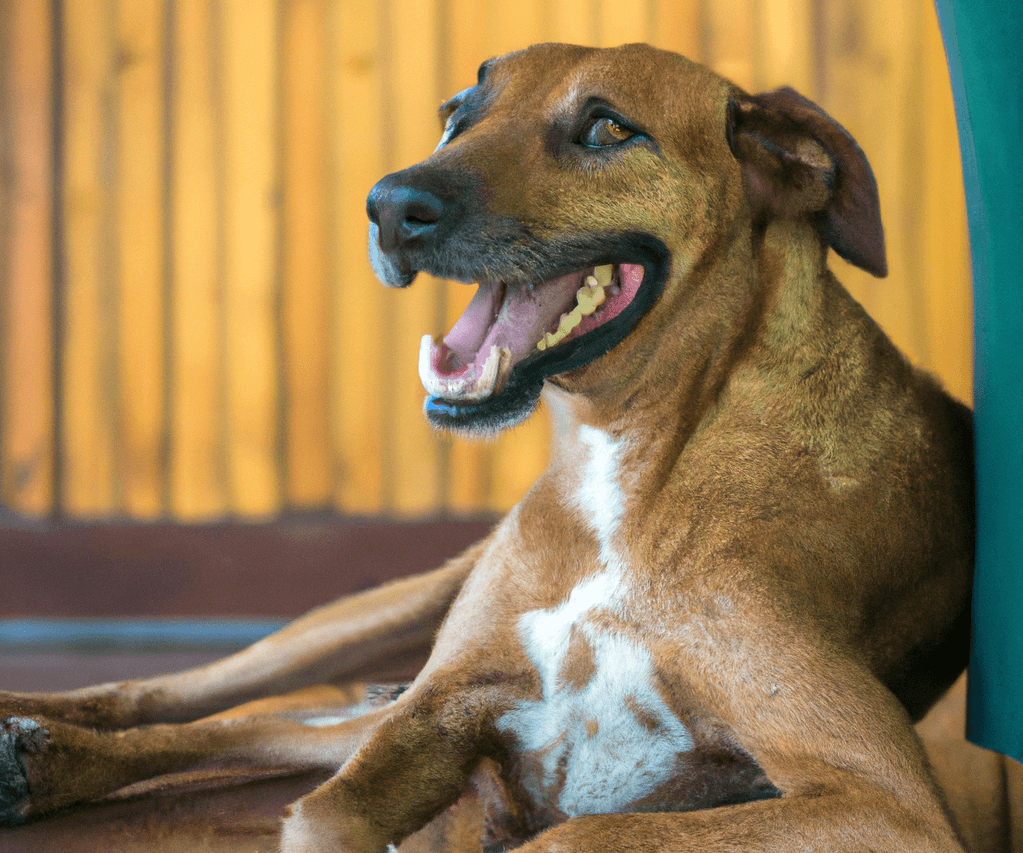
189, 328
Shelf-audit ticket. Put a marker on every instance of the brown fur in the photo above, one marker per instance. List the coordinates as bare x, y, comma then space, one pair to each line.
796, 521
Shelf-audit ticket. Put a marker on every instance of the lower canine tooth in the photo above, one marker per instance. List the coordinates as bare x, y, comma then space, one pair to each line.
463, 387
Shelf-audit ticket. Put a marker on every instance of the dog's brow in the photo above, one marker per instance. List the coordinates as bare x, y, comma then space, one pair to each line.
454, 102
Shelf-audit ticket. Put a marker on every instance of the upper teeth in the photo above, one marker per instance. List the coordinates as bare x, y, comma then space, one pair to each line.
588, 298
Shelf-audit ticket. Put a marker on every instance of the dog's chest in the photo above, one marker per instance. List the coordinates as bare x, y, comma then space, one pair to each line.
600, 737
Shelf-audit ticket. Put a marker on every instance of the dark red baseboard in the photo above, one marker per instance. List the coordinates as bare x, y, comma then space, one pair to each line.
166, 570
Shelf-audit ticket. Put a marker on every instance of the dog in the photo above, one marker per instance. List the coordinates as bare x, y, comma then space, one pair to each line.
745, 573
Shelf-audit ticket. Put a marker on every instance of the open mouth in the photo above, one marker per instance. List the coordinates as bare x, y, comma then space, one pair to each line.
488, 372
509, 326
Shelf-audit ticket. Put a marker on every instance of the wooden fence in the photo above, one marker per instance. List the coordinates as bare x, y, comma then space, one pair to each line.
188, 324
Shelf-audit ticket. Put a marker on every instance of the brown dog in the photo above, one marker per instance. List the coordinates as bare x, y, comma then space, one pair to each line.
710, 624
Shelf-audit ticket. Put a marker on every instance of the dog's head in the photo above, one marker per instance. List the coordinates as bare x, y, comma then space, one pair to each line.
579, 188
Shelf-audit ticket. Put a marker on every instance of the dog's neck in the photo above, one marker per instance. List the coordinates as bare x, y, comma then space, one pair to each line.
669, 384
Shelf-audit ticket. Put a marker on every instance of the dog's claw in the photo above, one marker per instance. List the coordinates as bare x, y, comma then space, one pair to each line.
18, 736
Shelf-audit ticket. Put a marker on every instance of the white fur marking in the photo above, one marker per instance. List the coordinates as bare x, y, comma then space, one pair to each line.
609, 757
322, 722
600, 494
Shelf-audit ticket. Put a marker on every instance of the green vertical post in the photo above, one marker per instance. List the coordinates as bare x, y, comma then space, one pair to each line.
982, 42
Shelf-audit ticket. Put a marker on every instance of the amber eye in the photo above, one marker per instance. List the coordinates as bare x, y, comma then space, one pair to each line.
605, 131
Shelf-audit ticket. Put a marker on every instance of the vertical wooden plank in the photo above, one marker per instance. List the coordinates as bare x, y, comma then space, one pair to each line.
945, 249
416, 457
198, 453
140, 232
359, 311
251, 206
732, 33
26, 422
785, 45
466, 43
677, 25
623, 22
309, 461
89, 370
574, 22
571, 22
513, 26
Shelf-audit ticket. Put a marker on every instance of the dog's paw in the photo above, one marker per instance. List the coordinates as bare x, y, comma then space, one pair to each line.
19, 737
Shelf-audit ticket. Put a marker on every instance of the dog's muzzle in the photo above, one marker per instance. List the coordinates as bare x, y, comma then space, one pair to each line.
541, 308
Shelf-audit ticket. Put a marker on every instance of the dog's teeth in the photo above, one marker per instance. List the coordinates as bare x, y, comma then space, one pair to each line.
589, 298
477, 387
568, 323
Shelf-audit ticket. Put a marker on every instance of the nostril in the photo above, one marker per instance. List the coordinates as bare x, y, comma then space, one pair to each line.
421, 210
402, 213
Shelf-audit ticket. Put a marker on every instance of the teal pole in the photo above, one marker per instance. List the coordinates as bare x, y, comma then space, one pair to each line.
983, 41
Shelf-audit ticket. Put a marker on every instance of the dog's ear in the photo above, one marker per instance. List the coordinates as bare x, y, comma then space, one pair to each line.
797, 160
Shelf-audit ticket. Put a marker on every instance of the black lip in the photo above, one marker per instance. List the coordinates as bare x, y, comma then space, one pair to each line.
522, 391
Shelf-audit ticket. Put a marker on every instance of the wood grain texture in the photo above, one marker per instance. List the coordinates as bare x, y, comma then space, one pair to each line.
251, 254
26, 262
224, 348
198, 471
89, 373
307, 286
139, 211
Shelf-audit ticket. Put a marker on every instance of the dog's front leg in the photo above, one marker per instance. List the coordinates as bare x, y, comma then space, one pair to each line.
417, 763
46, 766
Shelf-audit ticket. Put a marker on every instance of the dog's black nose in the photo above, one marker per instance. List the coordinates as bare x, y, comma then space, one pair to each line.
402, 213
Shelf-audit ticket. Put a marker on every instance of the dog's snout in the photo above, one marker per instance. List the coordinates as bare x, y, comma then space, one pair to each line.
403, 213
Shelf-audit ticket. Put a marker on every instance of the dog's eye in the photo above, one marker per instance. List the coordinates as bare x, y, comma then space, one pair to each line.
605, 131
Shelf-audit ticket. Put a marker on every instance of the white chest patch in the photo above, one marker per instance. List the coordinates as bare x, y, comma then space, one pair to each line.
600, 494
597, 745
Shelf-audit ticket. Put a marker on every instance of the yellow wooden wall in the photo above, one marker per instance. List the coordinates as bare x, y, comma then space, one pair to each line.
188, 324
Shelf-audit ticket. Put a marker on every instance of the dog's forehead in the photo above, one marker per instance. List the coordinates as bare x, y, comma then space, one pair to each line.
558, 78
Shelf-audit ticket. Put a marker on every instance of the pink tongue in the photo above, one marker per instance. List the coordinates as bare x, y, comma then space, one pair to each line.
522, 318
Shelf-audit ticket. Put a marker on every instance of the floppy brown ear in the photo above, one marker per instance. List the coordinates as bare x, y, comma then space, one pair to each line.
797, 160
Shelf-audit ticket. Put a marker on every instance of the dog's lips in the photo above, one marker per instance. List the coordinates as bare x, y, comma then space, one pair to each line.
506, 324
